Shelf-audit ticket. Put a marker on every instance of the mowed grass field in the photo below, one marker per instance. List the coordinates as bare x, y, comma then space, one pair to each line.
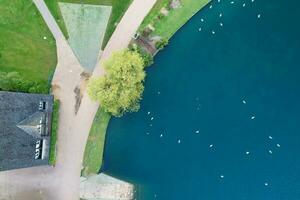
119, 7
23, 48
167, 26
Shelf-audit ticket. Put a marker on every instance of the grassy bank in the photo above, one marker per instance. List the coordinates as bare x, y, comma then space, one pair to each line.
93, 153
118, 9
167, 26
26, 45
154, 13
55, 117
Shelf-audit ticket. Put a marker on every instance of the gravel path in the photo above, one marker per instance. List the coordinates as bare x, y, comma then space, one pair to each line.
62, 181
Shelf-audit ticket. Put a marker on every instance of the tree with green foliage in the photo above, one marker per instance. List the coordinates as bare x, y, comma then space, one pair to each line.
120, 89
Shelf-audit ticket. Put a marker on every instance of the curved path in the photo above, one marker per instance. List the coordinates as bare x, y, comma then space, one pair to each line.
62, 181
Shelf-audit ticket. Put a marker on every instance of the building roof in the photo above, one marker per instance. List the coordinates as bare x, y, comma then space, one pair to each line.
25, 127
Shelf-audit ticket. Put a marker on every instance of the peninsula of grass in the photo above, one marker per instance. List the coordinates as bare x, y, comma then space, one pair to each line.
119, 7
54, 128
166, 26
27, 48
93, 153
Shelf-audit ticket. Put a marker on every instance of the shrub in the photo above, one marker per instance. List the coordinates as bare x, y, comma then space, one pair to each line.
12, 81
162, 43
147, 58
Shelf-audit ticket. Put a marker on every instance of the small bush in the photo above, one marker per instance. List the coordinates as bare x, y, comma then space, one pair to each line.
160, 16
161, 43
147, 58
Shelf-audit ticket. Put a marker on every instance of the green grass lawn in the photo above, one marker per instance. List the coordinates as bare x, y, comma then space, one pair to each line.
151, 17
23, 48
167, 26
118, 9
55, 116
93, 153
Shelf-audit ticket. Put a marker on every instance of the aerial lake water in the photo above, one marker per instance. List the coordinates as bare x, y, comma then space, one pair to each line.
220, 115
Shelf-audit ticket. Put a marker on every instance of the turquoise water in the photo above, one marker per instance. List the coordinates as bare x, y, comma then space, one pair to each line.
230, 98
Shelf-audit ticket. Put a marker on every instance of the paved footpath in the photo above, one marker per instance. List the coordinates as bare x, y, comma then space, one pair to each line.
62, 181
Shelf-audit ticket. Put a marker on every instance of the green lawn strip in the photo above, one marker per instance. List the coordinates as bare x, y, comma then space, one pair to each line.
118, 9
167, 26
152, 15
54, 128
23, 48
93, 153
54, 9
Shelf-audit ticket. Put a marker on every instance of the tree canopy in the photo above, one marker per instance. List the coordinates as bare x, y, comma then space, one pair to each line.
120, 89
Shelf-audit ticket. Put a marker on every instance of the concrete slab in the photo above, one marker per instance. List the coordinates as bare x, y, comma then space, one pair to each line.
86, 26
102, 186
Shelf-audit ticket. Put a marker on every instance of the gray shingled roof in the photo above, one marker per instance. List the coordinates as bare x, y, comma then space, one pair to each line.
20, 129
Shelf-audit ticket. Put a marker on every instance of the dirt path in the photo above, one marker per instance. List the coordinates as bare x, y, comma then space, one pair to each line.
62, 181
